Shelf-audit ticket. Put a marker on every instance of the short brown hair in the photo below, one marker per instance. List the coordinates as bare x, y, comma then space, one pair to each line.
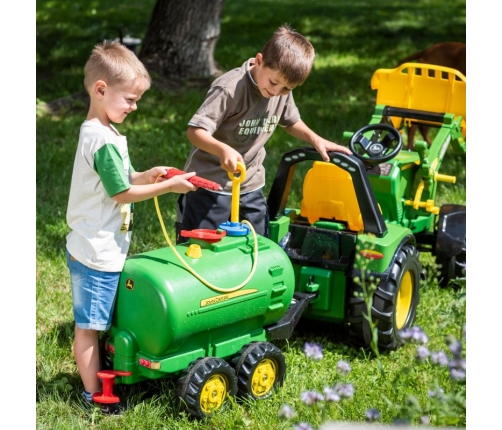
290, 53
113, 63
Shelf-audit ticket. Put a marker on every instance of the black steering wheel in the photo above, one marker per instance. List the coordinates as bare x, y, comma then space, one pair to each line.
383, 145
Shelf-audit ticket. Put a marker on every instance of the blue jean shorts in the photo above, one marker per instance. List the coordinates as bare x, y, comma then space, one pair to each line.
93, 294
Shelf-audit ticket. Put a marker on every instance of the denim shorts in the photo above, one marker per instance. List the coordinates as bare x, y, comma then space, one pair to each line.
93, 293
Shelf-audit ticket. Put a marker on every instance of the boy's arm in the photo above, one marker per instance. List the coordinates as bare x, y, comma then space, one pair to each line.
301, 131
137, 186
203, 140
148, 184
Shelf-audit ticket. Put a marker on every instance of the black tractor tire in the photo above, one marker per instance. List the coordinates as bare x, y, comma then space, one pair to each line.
104, 355
205, 386
451, 268
394, 303
260, 368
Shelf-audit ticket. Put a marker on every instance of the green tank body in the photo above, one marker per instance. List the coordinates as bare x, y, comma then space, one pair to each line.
165, 313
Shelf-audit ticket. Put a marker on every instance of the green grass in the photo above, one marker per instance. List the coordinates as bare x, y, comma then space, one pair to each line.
352, 40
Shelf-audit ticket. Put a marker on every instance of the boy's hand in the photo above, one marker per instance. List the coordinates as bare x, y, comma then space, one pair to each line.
301, 131
229, 158
324, 146
152, 175
180, 184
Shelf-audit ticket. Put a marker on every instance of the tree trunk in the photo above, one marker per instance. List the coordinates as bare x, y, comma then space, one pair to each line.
181, 37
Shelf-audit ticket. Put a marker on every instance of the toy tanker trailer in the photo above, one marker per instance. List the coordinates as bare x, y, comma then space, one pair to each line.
204, 312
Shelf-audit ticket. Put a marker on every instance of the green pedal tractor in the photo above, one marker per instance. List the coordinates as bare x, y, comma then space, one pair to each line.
367, 216
206, 312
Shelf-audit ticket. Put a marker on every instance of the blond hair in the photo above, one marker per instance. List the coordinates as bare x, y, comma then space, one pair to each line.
114, 64
290, 53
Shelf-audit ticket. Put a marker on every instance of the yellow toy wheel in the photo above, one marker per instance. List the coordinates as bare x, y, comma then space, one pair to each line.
205, 386
403, 302
260, 369
263, 378
213, 394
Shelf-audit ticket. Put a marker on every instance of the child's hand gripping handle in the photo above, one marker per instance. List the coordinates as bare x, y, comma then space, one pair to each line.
236, 190
195, 180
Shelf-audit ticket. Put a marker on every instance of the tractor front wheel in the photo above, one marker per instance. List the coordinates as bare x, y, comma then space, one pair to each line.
260, 369
394, 303
205, 386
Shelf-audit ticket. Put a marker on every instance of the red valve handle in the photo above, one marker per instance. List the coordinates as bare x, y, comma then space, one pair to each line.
204, 234
196, 180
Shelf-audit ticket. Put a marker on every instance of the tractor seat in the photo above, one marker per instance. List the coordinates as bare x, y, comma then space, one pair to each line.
329, 194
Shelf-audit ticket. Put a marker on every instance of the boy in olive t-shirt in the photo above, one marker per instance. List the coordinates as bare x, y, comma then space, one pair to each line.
242, 109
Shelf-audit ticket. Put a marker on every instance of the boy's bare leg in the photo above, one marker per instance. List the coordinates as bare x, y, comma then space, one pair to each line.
86, 352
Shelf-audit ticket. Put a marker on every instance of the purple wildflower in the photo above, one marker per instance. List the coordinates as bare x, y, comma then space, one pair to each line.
372, 415
286, 412
440, 358
331, 395
425, 420
344, 390
436, 393
414, 334
302, 426
343, 368
457, 374
455, 348
313, 351
422, 353
311, 397
457, 368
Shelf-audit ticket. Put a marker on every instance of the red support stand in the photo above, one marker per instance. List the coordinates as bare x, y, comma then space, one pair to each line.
107, 382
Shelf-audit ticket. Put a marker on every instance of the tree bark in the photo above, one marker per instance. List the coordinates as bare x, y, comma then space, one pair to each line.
181, 37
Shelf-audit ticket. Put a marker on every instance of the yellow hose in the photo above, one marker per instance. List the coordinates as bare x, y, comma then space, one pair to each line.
180, 258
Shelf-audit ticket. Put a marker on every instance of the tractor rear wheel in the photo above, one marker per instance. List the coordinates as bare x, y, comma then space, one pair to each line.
206, 385
260, 369
394, 303
451, 268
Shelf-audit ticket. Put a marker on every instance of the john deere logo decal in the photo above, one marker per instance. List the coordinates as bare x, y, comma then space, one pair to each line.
129, 284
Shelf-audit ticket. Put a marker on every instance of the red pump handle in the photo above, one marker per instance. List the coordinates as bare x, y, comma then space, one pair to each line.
196, 180
204, 234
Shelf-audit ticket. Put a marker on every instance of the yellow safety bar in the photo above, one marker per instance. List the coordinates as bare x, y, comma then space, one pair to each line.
402, 87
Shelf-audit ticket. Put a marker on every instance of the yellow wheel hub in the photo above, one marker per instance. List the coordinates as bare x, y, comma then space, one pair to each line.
213, 394
263, 377
403, 302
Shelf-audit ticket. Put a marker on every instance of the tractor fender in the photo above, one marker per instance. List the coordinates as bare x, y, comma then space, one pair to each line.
383, 276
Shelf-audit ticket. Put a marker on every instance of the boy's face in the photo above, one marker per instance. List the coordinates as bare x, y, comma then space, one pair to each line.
119, 100
270, 82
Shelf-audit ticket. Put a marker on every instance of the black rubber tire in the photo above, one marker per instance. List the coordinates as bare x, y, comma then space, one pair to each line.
192, 385
104, 355
260, 368
451, 268
386, 310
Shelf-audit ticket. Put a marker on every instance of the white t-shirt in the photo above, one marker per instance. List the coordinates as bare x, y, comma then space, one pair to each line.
100, 227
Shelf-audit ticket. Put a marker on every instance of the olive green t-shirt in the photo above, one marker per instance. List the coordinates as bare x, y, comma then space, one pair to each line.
235, 112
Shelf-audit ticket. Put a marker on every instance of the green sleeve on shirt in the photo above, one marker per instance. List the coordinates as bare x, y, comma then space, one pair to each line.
109, 165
